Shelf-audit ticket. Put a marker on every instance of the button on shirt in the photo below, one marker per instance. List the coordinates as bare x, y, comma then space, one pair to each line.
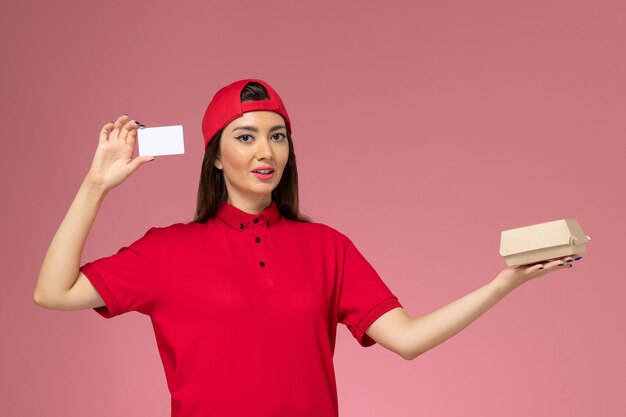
245, 308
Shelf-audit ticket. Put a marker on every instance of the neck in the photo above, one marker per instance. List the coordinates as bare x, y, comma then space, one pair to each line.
252, 206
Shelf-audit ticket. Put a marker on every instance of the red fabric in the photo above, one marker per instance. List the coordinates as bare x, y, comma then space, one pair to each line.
237, 338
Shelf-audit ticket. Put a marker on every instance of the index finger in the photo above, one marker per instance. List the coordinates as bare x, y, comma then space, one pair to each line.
131, 138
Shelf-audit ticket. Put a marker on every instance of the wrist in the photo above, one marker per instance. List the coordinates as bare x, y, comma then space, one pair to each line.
93, 189
503, 284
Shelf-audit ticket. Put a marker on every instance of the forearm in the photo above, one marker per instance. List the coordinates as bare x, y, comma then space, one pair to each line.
426, 332
61, 263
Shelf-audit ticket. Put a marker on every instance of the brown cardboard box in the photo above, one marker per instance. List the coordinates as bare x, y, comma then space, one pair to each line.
542, 242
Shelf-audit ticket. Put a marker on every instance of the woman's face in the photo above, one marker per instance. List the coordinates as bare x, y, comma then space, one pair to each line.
253, 141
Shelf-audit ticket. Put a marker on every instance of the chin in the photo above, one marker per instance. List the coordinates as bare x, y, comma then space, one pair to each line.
262, 188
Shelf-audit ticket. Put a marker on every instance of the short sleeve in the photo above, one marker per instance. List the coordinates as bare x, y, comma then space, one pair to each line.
129, 280
364, 297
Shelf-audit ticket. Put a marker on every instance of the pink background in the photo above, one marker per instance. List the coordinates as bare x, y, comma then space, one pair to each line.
422, 129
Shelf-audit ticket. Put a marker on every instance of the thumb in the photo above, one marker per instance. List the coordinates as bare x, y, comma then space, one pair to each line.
139, 161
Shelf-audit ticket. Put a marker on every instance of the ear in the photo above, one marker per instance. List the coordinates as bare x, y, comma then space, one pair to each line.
218, 163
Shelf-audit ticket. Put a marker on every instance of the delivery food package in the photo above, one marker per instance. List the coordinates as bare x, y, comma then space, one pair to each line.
542, 242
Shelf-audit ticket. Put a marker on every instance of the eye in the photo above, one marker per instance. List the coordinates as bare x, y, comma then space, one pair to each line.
280, 138
243, 136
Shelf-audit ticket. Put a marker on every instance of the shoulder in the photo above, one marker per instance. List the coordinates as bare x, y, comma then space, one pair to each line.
175, 230
318, 230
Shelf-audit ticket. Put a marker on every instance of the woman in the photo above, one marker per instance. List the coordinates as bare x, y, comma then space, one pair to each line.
245, 299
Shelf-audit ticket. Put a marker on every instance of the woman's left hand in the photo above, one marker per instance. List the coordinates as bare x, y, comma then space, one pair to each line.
513, 277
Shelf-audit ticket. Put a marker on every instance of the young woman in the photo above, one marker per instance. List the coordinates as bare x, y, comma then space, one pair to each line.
245, 299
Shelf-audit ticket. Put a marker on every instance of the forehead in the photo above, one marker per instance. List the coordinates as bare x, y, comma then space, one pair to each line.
261, 119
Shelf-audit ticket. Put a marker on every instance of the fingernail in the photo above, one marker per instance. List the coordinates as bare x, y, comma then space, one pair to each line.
541, 267
136, 122
570, 260
125, 114
561, 264
580, 257
571, 265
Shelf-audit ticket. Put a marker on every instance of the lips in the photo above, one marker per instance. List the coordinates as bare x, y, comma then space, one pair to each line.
264, 170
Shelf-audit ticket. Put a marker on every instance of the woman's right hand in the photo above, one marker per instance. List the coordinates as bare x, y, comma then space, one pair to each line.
113, 162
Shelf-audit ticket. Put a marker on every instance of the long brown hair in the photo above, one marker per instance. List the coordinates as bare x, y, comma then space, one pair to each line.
212, 191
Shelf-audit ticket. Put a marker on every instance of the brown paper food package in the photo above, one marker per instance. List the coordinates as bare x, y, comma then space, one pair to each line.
542, 242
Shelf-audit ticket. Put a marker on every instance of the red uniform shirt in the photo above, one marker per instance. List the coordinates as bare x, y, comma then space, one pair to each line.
245, 309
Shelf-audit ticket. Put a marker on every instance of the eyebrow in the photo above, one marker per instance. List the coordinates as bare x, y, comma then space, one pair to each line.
254, 129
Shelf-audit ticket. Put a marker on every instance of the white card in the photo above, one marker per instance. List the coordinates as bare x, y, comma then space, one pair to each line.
162, 140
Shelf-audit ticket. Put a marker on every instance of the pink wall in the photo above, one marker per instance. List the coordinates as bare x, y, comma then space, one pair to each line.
422, 129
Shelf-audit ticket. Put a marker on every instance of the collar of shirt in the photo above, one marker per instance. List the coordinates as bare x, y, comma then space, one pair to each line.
240, 220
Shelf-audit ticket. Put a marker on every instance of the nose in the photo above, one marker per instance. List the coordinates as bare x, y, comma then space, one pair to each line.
264, 149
